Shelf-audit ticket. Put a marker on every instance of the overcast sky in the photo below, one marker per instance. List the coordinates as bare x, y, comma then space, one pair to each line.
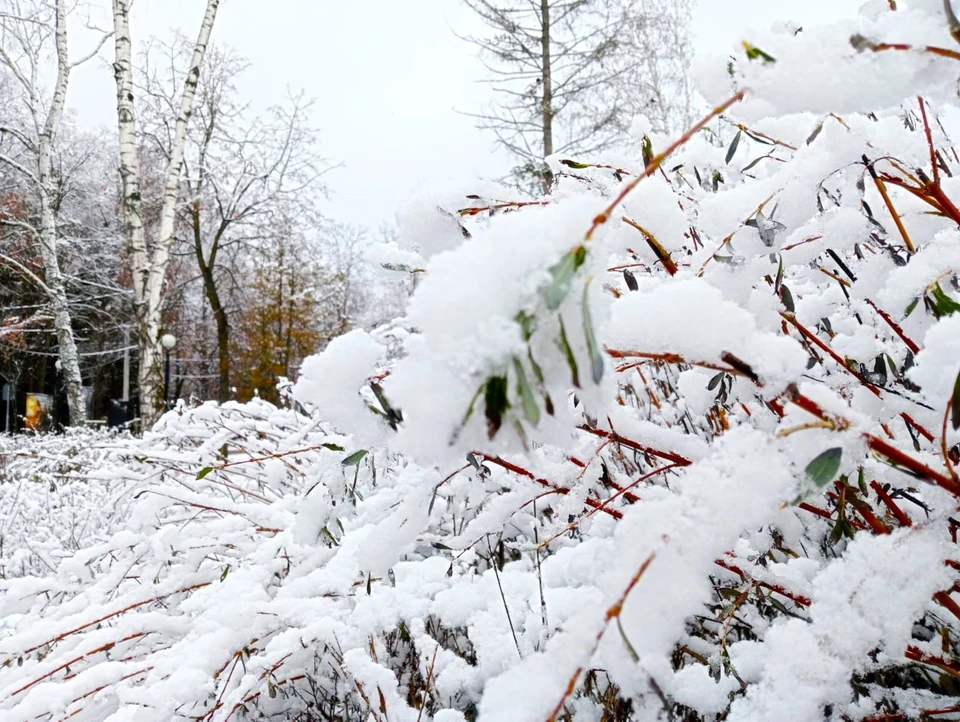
388, 77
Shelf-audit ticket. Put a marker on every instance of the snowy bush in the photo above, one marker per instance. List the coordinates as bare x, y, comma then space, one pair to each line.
677, 441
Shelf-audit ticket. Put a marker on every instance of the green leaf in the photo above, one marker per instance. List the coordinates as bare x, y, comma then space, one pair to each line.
568, 354
824, 468
355, 458
593, 351
496, 402
204, 471
752, 163
732, 150
943, 303
393, 416
955, 411
574, 164
530, 407
787, 298
333, 447
779, 280
528, 324
913, 305
755, 53
647, 151
563, 276
225, 572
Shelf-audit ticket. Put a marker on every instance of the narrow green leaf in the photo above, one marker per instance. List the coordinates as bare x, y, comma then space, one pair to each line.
355, 458
647, 151
754, 53
732, 150
751, 164
913, 305
528, 324
955, 411
204, 471
563, 273
333, 447
530, 407
779, 280
568, 353
593, 351
574, 164
824, 468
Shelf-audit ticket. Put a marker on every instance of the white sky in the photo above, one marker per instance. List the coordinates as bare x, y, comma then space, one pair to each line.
388, 77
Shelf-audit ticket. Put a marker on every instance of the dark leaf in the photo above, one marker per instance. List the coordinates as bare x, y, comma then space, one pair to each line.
568, 354
739, 365
732, 150
630, 279
333, 447
787, 298
752, 163
496, 402
813, 136
714, 381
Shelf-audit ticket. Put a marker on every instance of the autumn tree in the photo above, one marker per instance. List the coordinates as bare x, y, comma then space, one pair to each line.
279, 325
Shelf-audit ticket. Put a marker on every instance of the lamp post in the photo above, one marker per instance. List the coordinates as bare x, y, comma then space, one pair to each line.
168, 341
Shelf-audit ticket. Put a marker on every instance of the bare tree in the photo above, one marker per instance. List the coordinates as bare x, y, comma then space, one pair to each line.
32, 31
569, 75
149, 262
243, 174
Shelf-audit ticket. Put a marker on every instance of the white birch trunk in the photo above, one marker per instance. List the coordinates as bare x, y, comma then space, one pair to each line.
69, 360
149, 267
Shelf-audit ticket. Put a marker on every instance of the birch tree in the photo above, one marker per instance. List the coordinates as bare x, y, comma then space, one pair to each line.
570, 75
149, 261
31, 32
243, 174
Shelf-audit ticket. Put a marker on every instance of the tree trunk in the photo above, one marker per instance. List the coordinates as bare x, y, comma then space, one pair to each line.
547, 82
69, 360
149, 270
216, 306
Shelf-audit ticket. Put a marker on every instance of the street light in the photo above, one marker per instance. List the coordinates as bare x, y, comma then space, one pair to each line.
168, 341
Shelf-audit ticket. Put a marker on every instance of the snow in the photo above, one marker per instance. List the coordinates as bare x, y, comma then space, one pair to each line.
718, 486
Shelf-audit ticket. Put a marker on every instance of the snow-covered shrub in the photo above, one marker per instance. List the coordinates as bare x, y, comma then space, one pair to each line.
673, 443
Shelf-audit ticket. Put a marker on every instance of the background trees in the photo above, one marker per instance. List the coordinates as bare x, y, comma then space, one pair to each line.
570, 75
33, 35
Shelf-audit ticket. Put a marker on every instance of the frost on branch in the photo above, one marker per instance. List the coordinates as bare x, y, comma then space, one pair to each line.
676, 441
